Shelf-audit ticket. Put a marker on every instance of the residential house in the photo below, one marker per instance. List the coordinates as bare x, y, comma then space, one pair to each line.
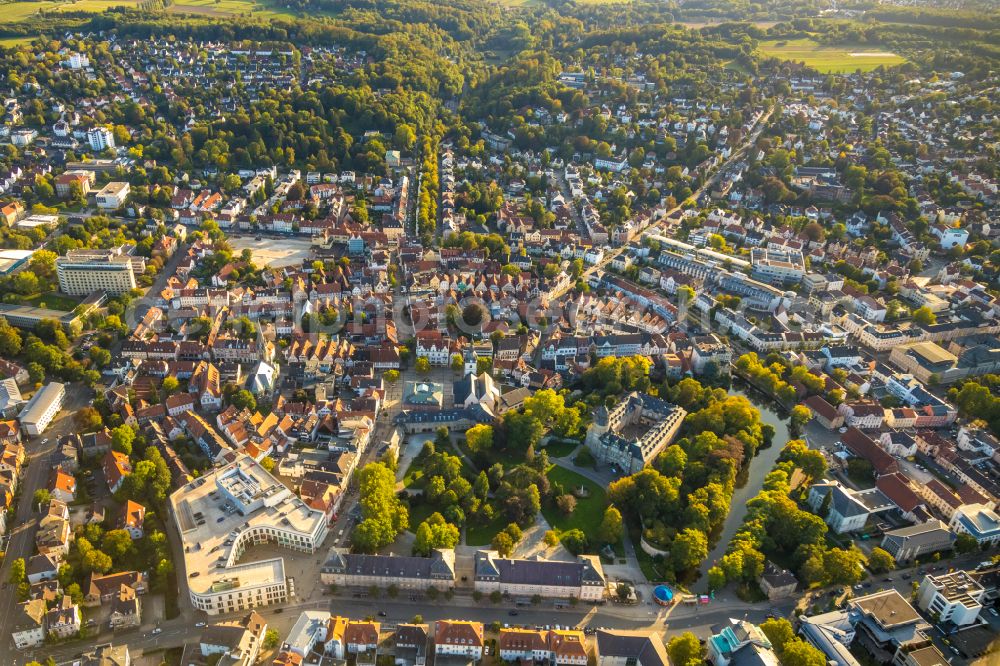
29, 624
116, 466
458, 638
630, 648
776, 582
131, 519
125, 611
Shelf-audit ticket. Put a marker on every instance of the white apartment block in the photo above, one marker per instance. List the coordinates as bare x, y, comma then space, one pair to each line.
777, 266
100, 138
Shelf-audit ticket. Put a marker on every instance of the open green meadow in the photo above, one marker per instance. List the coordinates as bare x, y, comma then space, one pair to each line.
840, 59
21, 11
12, 42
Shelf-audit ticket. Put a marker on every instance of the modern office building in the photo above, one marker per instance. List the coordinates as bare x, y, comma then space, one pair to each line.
777, 266
953, 597
112, 196
228, 510
979, 521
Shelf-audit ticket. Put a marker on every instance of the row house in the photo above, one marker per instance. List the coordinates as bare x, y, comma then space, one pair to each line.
555, 646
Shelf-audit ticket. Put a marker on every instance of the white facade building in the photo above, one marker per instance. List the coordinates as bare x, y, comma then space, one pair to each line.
100, 138
222, 514
953, 597
42, 408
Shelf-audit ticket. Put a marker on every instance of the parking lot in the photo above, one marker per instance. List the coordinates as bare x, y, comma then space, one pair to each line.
273, 251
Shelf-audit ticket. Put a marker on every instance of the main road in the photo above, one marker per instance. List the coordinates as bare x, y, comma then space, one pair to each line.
702, 620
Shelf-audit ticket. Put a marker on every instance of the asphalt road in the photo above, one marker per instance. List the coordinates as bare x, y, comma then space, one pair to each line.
700, 619
22, 536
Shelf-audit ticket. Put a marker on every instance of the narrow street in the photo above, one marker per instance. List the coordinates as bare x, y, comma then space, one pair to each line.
22, 536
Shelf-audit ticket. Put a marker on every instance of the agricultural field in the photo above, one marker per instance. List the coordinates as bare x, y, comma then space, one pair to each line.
840, 59
695, 25
18, 12
12, 42
223, 8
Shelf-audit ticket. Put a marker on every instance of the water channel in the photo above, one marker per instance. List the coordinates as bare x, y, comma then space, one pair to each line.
753, 477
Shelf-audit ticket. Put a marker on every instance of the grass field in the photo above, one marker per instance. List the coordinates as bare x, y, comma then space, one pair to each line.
11, 42
695, 25
228, 8
18, 12
482, 535
830, 59
560, 449
589, 510
52, 301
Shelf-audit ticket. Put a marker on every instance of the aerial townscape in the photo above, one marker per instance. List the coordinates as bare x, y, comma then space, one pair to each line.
499, 333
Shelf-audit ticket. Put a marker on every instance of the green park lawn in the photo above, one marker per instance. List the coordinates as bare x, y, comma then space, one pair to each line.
841, 59
589, 510
560, 449
482, 535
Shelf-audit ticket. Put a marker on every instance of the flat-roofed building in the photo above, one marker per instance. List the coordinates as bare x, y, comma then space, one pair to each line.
777, 266
583, 579
926, 359
953, 597
885, 622
228, 510
929, 655
113, 270
42, 408
112, 196
27, 316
